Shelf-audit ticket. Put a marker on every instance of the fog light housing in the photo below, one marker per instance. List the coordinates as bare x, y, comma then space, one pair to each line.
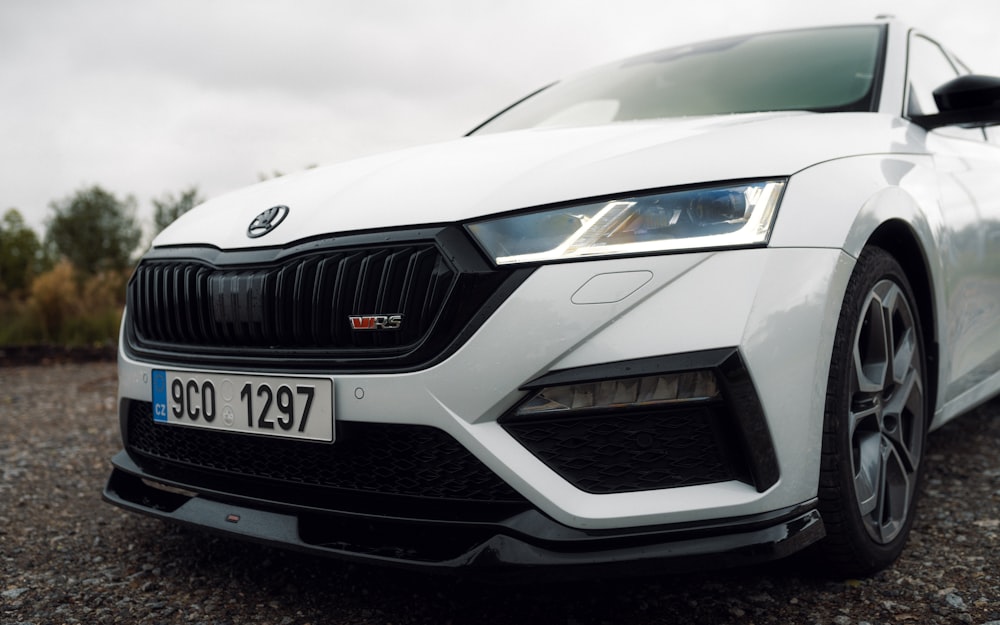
647, 424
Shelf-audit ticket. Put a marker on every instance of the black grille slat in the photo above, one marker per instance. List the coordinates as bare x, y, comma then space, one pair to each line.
283, 305
367, 458
178, 293
365, 292
345, 287
435, 291
388, 293
217, 295
384, 283
172, 288
165, 295
199, 307
156, 303
302, 295
317, 301
169, 305
418, 296
190, 319
140, 298
409, 278
255, 309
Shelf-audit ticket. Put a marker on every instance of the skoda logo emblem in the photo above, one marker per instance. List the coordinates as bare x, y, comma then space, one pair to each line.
267, 221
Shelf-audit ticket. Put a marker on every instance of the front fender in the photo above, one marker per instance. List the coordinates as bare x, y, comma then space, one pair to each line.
840, 203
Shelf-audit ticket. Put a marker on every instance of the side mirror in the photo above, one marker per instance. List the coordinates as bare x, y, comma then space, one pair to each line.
970, 101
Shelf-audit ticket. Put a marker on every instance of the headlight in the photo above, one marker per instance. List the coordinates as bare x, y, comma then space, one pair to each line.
734, 215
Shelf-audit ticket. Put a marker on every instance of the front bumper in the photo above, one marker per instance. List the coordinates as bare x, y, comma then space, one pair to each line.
772, 305
508, 546
597, 319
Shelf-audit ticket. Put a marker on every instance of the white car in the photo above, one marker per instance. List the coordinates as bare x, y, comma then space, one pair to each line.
695, 308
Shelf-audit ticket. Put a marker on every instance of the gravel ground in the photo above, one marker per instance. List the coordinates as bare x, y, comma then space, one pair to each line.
67, 557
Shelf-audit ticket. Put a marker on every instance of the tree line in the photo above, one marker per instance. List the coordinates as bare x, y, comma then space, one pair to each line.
67, 286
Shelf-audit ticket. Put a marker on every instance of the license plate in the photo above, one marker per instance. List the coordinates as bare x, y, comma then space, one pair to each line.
287, 407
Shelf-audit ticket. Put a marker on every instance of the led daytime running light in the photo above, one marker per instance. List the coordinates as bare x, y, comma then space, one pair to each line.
735, 215
668, 388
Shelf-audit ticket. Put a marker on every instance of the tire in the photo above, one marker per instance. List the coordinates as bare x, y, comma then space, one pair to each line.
875, 422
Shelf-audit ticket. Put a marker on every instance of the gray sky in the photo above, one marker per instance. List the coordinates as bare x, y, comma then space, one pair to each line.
153, 96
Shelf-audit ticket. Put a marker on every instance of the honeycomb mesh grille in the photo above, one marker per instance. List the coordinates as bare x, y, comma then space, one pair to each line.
624, 452
372, 458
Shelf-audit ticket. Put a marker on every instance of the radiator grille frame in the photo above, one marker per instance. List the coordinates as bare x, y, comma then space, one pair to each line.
289, 307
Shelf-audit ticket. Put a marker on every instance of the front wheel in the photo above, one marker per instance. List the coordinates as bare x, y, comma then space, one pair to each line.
875, 422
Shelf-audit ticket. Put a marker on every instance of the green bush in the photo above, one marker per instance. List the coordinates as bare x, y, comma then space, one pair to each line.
18, 324
64, 308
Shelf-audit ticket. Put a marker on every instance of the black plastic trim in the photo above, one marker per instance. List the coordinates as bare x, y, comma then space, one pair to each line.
978, 117
509, 107
258, 255
878, 80
641, 367
737, 388
511, 547
413, 489
740, 394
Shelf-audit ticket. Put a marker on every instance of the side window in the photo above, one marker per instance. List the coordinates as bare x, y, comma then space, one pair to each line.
927, 69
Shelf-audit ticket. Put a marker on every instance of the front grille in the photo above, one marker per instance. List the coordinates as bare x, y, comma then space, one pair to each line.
292, 307
367, 458
635, 451
304, 302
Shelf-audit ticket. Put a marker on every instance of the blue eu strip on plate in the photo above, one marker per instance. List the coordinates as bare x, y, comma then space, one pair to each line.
160, 396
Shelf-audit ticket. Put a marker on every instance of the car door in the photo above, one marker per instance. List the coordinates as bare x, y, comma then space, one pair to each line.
968, 166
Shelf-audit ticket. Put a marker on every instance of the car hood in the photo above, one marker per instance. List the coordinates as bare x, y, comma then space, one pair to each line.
481, 175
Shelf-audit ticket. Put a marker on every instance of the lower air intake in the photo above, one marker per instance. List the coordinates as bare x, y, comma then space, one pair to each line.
368, 458
625, 452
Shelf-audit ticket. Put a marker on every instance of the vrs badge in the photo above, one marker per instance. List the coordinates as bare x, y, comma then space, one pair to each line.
267, 221
376, 322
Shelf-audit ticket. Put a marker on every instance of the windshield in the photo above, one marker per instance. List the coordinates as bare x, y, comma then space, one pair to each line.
822, 69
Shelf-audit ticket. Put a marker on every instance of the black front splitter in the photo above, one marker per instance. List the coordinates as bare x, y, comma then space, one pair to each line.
510, 548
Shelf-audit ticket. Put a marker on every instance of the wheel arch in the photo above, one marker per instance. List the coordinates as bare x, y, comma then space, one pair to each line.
899, 239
